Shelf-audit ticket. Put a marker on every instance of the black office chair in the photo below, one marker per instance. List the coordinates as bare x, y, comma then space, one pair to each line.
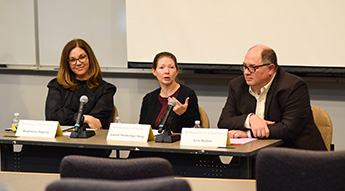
151, 184
287, 169
114, 169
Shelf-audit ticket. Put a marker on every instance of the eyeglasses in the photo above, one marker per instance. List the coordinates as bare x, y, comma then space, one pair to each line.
81, 59
252, 69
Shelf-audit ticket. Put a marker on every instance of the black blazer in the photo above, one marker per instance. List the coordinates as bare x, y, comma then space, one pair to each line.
151, 107
63, 104
287, 103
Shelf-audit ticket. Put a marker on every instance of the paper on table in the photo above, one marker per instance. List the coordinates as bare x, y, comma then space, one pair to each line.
66, 128
241, 141
69, 130
155, 132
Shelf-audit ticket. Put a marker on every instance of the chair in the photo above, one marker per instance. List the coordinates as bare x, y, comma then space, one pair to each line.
324, 124
114, 114
114, 169
287, 169
205, 123
151, 184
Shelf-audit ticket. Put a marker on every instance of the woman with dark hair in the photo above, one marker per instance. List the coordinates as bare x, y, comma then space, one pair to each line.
80, 74
155, 103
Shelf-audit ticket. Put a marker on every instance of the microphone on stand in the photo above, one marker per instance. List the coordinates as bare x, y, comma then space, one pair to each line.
83, 100
80, 130
171, 104
167, 136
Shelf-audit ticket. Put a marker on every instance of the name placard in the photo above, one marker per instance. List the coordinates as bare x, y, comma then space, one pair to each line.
130, 132
38, 128
204, 137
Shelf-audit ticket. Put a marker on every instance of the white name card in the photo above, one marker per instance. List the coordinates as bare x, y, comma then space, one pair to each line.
204, 137
38, 128
130, 132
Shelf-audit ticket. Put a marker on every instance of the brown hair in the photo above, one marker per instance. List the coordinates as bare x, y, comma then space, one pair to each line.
269, 56
66, 77
164, 54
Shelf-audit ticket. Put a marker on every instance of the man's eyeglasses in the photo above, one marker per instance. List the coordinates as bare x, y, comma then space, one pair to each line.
252, 69
81, 59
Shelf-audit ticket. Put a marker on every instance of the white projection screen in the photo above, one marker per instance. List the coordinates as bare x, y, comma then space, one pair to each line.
308, 33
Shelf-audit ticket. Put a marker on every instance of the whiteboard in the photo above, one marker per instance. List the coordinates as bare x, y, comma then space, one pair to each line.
101, 23
303, 33
17, 34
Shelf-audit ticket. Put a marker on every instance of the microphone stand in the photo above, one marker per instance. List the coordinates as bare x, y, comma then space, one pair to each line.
81, 132
167, 136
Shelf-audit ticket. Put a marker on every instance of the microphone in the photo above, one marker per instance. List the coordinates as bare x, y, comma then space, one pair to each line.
83, 100
171, 104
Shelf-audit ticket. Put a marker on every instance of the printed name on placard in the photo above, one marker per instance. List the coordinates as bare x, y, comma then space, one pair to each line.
130, 132
38, 128
205, 137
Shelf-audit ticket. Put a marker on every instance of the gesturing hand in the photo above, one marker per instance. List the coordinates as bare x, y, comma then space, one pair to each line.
180, 108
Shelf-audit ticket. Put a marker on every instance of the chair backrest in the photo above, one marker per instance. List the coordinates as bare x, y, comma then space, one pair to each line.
287, 169
114, 169
151, 184
114, 114
324, 124
205, 123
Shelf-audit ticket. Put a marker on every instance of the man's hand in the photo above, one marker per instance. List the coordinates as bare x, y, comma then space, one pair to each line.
259, 126
237, 134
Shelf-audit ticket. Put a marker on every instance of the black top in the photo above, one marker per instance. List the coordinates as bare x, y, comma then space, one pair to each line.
62, 104
151, 107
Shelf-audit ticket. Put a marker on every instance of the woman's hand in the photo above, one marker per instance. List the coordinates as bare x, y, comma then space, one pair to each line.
93, 122
180, 108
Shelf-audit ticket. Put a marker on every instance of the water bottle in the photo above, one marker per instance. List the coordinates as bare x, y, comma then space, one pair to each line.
15, 121
117, 119
197, 124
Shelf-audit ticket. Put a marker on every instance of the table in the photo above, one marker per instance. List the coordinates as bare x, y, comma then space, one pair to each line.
19, 181
33, 154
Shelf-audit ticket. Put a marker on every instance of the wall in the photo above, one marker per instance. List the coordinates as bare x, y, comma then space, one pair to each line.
35, 38
221, 31
26, 92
